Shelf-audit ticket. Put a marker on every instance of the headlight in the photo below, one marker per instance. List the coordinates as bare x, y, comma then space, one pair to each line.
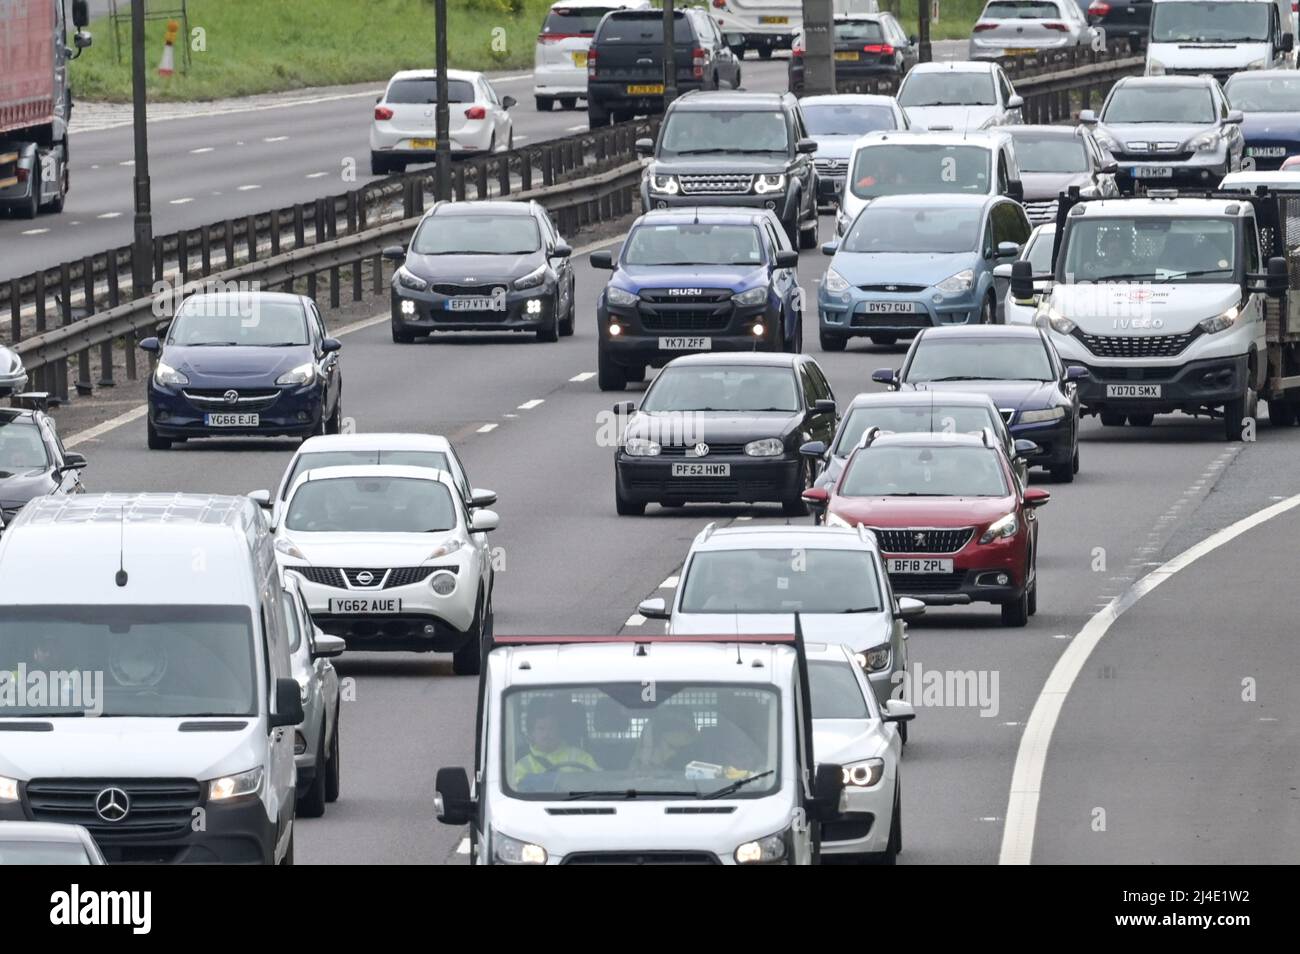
755, 296
1221, 322
1155, 68
1043, 414
443, 583
304, 687
289, 549
617, 296
303, 374
864, 774
1207, 142
410, 280
873, 660
1260, 64
534, 278
1001, 529
1049, 317
641, 447
8, 789
955, 284
512, 851
834, 282
835, 520
664, 185
762, 851
168, 376
448, 548
235, 786
767, 447
765, 185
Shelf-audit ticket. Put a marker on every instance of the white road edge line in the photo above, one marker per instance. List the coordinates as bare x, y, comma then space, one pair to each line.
583, 376
670, 583
529, 405
487, 429
636, 619
1031, 757
90, 433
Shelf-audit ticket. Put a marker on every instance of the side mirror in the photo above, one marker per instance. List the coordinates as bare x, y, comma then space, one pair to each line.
1027, 448
1022, 280
787, 259
1277, 276
152, 345
885, 376
328, 647
830, 248
1008, 249
898, 710
824, 406
1236, 116
288, 705
1087, 117
1002, 271
484, 521
394, 253
817, 497
508, 102
454, 804
909, 608
814, 449
262, 498
73, 461
1076, 372
828, 786
654, 608
602, 259
478, 497
1015, 102
806, 146
330, 345
1110, 167
1036, 497
81, 39
912, 40
645, 147
80, 13
561, 250
1016, 190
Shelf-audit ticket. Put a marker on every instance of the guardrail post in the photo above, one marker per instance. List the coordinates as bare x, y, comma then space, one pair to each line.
481, 177
229, 238
183, 255
250, 235
525, 171
299, 228
548, 165
60, 369
275, 231
377, 273
205, 249
458, 183
15, 312
158, 271
38, 292
503, 174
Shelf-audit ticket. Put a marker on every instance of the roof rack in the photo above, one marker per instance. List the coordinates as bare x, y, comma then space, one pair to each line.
708, 530
869, 435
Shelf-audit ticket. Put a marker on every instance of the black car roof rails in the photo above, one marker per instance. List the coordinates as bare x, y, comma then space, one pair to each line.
32, 400
986, 435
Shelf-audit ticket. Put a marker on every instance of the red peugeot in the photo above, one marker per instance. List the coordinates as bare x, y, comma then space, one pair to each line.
952, 520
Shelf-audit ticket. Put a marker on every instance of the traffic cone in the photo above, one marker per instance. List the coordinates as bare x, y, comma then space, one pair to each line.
168, 64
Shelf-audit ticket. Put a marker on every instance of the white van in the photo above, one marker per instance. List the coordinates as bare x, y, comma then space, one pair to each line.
152, 701
643, 750
560, 57
1219, 37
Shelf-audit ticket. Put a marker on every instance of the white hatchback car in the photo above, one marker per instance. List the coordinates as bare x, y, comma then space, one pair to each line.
560, 59
850, 728
390, 558
405, 125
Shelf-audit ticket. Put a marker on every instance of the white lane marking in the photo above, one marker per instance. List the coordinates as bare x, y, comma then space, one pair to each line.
669, 583
34, 232
529, 405
463, 847
746, 517
181, 201
129, 162
520, 139
583, 376
91, 433
274, 138
316, 175
94, 167
200, 150
1031, 757
636, 619
248, 188
487, 428
581, 127
108, 215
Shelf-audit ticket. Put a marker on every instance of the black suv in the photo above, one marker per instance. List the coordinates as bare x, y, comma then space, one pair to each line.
1129, 20
746, 149
625, 64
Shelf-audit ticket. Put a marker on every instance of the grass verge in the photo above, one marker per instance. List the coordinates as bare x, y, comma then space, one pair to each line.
956, 17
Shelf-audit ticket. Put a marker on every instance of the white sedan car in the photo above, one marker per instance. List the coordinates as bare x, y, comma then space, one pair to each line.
405, 126
390, 558
851, 729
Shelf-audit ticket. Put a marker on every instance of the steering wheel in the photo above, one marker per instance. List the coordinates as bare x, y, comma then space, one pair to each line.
557, 766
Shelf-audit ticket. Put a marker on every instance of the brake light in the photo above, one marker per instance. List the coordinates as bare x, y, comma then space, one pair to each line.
1098, 8
383, 112
547, 37
591, 63
720, 4
23, 174
698, 60
1058, 27
476, 112
883, 48
981, 27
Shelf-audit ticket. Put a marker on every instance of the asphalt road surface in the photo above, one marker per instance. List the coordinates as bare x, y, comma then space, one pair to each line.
1157, 731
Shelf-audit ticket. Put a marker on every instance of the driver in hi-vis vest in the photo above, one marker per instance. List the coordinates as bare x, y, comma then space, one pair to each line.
548, 751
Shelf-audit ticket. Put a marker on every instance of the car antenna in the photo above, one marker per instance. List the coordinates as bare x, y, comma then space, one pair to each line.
120, 578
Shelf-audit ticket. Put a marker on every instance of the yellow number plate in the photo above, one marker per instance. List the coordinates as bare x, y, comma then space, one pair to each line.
580, 58
774, 20
846, 54
424, 144
647, 89
1019, 52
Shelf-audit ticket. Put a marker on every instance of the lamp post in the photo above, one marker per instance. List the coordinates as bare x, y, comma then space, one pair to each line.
142, 245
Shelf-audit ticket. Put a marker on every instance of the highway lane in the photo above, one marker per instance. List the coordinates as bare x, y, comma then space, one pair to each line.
571, 565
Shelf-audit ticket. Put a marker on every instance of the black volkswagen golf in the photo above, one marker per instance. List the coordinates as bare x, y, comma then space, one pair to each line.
724, 428
483, 266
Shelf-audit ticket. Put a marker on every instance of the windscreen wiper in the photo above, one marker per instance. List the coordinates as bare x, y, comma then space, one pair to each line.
1193, 273
960, 377
862, 609
738, 784
627, 793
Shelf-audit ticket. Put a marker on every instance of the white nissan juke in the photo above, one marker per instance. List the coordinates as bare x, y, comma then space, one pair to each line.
390, 558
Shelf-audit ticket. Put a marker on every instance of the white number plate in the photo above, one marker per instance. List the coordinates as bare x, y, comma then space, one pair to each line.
685, 344
918, 565
465, 303
1133, 390
352, 605
231, 420
1153, 172
701, 470
1266, 152
889, 307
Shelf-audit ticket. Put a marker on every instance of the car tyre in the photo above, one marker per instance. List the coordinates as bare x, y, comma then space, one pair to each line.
895, 844
989, 311
468, 660
1112, 419
1033, 594
401, 335
566, 324
335, 423
625, 507
1141, 420
55, 205
884, 341
288, 854
546, 103
333, 761
610, 376
832, 342
1064, 473
597, 115
1016, 613
764, 52
311, 803
1235, 413
379, 165
568, 102
155, 440
808, 236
